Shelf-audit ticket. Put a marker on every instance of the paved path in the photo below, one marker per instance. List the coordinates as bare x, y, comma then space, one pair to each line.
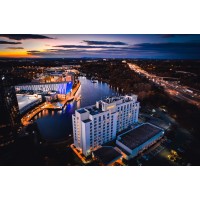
27, 117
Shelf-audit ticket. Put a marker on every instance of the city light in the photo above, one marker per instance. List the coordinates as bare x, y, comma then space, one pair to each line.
113, 103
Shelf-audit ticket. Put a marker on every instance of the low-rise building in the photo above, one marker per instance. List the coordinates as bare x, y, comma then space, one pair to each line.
106, 155
26, 102
60, 87
138, 139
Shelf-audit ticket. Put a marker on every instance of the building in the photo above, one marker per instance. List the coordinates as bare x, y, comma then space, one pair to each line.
60, 87
99, 124
138, 139
53, 79
51, 96
9, 111
55, 75
106, 155
26, 102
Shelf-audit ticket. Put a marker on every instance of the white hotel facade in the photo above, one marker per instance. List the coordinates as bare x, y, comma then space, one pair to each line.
98, 124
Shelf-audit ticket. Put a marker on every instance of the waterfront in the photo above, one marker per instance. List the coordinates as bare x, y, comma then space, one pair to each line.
57, 125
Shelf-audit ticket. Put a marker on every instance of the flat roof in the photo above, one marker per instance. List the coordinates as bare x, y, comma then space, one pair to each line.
24, 100
125, 98
139, 135
81, 111
94, 110
32, 83
107, 154
86, 121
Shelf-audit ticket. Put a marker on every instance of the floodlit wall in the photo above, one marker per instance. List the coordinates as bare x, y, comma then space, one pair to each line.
61, 88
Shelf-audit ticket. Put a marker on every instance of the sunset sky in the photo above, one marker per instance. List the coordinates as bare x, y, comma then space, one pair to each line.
102, 46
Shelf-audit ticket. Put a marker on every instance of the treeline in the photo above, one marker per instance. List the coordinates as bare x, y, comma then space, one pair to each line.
119, 75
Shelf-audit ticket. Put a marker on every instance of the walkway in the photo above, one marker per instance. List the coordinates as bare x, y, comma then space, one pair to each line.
80, 155
27, 117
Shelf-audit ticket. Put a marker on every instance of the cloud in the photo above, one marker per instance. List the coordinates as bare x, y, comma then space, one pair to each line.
168, 46
24, 36
141, 50
33, 52
7, 42
89, 42
15, 48
82, 46
173, 50
81, 52
174, 35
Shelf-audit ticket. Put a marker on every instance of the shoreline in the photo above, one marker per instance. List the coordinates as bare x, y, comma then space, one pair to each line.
68, 97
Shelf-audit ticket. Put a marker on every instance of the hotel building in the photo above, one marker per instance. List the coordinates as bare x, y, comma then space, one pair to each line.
99, 124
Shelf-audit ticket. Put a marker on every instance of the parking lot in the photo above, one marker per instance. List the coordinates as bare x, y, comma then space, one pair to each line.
157, 155
176, 139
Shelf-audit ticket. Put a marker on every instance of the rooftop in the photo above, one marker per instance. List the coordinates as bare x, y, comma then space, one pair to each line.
86, 121
118, 98
81, 111
41, 83
107, 155
94, 110
139, 135
24, 100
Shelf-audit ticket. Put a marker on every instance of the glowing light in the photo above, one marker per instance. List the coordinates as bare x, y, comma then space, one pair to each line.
65, 88
110, 107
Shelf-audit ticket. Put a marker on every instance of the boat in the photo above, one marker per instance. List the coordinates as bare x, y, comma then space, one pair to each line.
94, 81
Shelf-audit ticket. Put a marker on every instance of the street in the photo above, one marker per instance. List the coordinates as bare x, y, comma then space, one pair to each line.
172, 88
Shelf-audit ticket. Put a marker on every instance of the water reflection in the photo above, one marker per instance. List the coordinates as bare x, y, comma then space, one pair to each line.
57, 125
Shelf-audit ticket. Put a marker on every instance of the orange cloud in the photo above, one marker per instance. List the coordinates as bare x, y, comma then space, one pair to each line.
15, 54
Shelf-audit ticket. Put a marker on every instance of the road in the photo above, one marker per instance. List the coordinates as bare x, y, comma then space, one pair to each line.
172, 88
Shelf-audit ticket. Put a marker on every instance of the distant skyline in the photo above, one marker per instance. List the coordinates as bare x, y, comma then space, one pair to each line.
169, 46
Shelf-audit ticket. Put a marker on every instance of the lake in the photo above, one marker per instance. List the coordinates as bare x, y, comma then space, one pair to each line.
57, 125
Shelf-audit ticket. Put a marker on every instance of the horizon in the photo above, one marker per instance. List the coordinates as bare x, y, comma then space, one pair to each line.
96, 46
91, 58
